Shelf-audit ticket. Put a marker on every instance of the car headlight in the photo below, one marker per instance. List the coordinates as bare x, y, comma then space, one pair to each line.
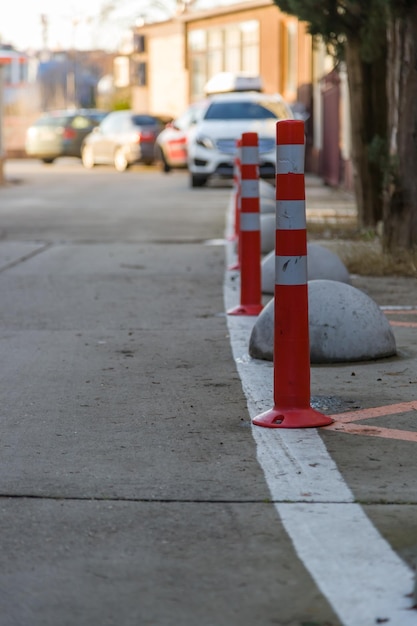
205, 142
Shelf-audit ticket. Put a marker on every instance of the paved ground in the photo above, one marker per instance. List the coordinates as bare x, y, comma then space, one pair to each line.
372, 444
133, 489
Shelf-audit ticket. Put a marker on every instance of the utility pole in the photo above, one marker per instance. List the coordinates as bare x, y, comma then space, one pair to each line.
45, 31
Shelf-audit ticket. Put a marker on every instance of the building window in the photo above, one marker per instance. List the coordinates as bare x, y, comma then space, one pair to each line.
233, 49
139, 43
198, 57
291, 70
139, 74
121, 71
250, 46
197, 41
214, 52
229, 48
198, 76
23, 72
7, 73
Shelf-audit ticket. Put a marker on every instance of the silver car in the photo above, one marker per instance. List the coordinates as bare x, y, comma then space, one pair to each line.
60, 133
122, 139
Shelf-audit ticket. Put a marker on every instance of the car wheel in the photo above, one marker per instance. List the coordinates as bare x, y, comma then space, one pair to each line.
87, 157
164, 164
120, 161
48, 161
198, 180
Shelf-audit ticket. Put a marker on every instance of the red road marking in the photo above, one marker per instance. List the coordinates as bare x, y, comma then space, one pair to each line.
401, 312
373, 431
343, 422
378, 411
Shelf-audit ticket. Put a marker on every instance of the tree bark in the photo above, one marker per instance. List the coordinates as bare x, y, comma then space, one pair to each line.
400, 197
368, 106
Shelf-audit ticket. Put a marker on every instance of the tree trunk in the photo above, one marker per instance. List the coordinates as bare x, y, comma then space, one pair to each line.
368, 124
400, 198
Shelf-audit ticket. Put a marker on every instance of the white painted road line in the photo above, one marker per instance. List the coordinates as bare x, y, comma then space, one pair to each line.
354, 567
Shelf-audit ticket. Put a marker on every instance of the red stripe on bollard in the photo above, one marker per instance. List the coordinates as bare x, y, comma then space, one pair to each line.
290, 187
249, 172
251, 139
250, 230
251, 205
291, 331
290, 133
291, 242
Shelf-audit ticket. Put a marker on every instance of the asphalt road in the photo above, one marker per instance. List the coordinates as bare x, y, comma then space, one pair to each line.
130, 488
131, 493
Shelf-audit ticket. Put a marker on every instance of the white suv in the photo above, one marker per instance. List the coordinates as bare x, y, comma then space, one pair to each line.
212, 141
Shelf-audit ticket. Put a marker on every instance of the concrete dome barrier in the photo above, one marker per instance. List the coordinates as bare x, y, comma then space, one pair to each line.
268, 230
321, 264
344, 325
266, 190
267, 205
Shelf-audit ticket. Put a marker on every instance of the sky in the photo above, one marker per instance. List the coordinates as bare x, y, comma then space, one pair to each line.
71, 23
77, 23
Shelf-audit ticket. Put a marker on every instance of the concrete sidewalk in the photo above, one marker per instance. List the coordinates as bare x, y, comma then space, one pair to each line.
352, 500
134, 490
374, 406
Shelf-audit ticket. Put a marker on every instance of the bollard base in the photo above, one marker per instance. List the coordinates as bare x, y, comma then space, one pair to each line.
246, 309
292, 418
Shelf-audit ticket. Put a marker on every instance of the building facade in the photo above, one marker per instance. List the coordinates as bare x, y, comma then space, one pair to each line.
172, 61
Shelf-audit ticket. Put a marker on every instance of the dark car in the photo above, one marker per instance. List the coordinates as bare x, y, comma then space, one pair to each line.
122, 139
61, 133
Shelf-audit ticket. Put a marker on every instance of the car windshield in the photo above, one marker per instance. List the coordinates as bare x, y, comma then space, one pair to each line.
80, 120
189, 117
51, 121
246, 110
144, 120
97, 116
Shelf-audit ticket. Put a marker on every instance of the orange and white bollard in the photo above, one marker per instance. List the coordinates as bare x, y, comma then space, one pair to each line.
249, 229
291, 331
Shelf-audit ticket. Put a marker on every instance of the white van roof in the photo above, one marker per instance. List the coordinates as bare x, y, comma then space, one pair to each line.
226, 82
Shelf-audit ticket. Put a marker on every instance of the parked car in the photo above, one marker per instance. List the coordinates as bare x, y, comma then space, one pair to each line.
212, 141
122, 139
171, 143
61, 133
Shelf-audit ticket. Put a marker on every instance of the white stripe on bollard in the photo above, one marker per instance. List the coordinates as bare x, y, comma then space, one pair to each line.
250, 221
249, 188
250, 155
290, 159
290, 270
291, 215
